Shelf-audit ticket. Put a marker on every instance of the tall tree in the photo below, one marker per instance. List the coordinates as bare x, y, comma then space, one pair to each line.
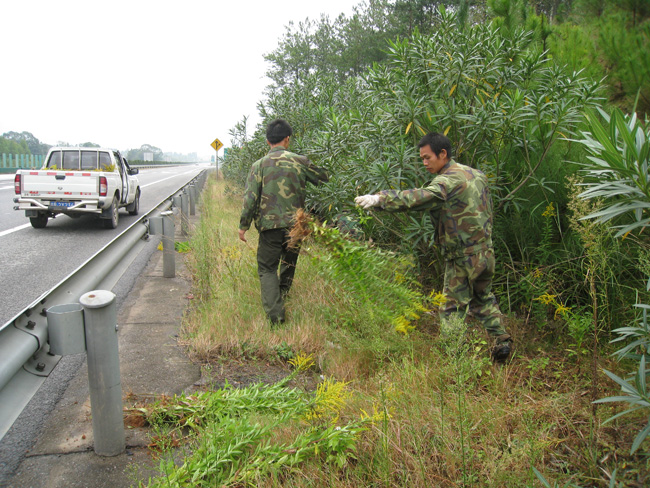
9, 146
416, 14
509, 14
586, 9
343, 47
639, 10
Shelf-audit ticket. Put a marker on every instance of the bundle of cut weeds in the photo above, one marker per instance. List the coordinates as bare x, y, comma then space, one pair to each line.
302, 228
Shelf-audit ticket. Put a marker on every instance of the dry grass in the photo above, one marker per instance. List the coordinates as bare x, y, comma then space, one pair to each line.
453, 419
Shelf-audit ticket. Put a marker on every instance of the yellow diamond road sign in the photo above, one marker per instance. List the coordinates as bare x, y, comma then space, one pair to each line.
216, 144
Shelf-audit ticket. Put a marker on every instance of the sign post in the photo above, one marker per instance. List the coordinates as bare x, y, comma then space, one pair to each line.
217, 144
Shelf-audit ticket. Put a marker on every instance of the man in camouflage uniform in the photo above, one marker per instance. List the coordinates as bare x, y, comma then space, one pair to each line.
275, 189
458, 199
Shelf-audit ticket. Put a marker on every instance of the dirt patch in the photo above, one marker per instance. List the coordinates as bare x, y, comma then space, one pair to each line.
240, 374
134, 420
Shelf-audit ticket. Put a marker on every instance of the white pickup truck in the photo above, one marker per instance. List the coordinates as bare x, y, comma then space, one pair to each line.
77, 181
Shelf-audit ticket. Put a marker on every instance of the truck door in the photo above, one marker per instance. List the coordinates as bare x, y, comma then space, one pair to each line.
130, 187
124, 177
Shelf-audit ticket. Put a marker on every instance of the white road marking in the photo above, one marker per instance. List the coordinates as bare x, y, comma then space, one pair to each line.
15, 229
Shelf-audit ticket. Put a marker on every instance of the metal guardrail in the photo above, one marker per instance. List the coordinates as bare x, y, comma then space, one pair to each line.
25, 358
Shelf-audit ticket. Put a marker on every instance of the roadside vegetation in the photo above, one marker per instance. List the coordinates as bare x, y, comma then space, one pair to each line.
422, 408
367, 389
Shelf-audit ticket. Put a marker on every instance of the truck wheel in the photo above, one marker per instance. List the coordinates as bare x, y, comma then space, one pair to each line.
39, 222
134, 208
115, 215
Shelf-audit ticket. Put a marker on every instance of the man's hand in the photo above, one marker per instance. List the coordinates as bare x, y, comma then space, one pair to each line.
242, 237
368, 201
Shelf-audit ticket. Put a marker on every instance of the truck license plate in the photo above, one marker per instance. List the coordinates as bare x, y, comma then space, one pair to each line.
61, 204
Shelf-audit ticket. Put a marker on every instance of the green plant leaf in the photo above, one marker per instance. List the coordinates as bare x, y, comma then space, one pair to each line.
640, 438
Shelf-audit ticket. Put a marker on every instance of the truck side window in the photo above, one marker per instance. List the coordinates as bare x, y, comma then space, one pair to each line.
88, 159
55, 160
104, 160
70, 160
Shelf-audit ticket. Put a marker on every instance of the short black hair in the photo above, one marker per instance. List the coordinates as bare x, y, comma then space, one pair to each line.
277, 130
437, 142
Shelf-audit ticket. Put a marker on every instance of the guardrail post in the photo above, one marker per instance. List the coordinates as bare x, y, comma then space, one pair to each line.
168, 240
192, 200
165, 226
100, 319
184, 213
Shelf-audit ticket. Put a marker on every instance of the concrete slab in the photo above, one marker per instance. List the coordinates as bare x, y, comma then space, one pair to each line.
85, 470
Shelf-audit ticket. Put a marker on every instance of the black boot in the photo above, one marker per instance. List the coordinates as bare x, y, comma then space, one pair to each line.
501, 351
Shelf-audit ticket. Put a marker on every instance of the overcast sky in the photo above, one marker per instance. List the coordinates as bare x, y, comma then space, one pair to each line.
121, 74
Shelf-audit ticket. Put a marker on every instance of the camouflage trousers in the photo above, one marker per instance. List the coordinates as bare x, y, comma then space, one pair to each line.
468, 288
273, 254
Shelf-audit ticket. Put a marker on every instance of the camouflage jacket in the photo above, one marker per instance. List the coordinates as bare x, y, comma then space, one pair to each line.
459, 202
275, 189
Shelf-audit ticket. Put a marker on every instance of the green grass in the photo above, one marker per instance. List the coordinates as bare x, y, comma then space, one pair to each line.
425, 408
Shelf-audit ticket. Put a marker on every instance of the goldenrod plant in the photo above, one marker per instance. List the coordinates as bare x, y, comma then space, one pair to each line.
379, 283
232, 437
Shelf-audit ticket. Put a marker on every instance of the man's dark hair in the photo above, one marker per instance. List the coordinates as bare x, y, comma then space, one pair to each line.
437, 142
277, 130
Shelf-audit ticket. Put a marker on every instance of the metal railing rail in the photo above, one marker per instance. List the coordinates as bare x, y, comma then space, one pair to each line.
25, 360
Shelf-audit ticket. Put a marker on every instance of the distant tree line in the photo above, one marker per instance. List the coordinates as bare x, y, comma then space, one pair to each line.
26, 143
22, 143
139, 154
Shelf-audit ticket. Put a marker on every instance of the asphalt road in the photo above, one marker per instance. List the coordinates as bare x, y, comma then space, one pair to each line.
33, 261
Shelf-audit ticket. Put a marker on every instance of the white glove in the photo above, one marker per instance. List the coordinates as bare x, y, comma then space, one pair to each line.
368, 201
